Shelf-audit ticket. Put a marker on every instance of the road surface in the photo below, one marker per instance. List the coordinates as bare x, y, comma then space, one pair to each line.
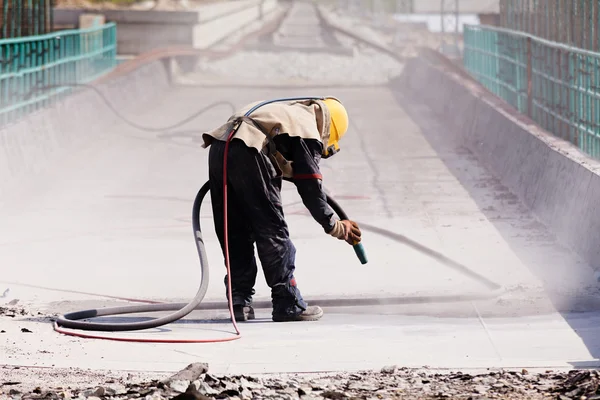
114, 219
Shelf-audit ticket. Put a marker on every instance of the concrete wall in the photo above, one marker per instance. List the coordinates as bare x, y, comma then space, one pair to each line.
140, 31
37, 142
558, 182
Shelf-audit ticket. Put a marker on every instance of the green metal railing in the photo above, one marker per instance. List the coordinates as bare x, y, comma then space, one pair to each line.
573, 22
558, 86
28, 64
25, 18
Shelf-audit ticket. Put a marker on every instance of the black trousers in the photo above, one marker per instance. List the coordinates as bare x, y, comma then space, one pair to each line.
255, 215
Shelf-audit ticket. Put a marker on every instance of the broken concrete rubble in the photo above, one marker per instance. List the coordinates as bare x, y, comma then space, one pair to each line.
195, 383
190, 373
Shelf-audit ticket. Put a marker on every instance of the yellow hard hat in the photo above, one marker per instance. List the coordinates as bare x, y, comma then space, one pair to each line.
339, 125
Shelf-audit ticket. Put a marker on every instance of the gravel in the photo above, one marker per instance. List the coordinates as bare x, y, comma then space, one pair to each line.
298, 51
195, 383
365, 66
13, 310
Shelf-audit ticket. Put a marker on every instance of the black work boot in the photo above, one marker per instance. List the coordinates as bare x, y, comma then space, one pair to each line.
243, 313
312, 313
288, 304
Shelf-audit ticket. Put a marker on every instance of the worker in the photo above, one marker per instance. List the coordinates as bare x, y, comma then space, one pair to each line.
279, 140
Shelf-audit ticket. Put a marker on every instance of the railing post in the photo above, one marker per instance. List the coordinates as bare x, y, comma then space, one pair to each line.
529, 79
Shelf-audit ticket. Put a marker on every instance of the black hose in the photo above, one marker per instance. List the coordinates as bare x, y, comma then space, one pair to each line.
122, 117
73, 320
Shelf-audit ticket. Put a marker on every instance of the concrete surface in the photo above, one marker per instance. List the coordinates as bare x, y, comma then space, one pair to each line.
302, 30
110, 218
115, 220
551, 176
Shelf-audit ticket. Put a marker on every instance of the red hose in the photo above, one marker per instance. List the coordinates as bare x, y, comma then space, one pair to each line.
142, 340
229, 293
226, 234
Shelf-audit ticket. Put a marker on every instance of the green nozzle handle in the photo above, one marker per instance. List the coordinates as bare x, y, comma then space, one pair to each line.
360, 253
358, 248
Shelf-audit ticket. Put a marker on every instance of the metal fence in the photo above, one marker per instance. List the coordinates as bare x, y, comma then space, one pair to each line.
573, 22
556, 85
25, 18
29, 64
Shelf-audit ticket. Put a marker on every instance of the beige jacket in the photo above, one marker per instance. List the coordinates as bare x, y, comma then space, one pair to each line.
308, 119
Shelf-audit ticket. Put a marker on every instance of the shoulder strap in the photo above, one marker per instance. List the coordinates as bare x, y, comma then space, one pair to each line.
281, 164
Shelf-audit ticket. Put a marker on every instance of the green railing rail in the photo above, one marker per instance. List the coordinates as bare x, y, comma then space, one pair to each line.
572, 22
25, 18
28, 64
556, 85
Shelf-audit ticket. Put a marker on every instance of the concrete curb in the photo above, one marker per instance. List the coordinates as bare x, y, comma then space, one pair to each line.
35, 143
139, 31
45, 137
176, 58
559, 183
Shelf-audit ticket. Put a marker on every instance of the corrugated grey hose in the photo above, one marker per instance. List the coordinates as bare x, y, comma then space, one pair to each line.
73, 320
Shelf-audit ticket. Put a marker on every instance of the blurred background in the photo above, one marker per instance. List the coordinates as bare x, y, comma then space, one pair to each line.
53, 41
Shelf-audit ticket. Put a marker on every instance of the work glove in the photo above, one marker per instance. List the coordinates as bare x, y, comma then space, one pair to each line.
346, 230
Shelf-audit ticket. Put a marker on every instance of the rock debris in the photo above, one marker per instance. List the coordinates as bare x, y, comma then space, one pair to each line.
365, 67
196, 383
14, 311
